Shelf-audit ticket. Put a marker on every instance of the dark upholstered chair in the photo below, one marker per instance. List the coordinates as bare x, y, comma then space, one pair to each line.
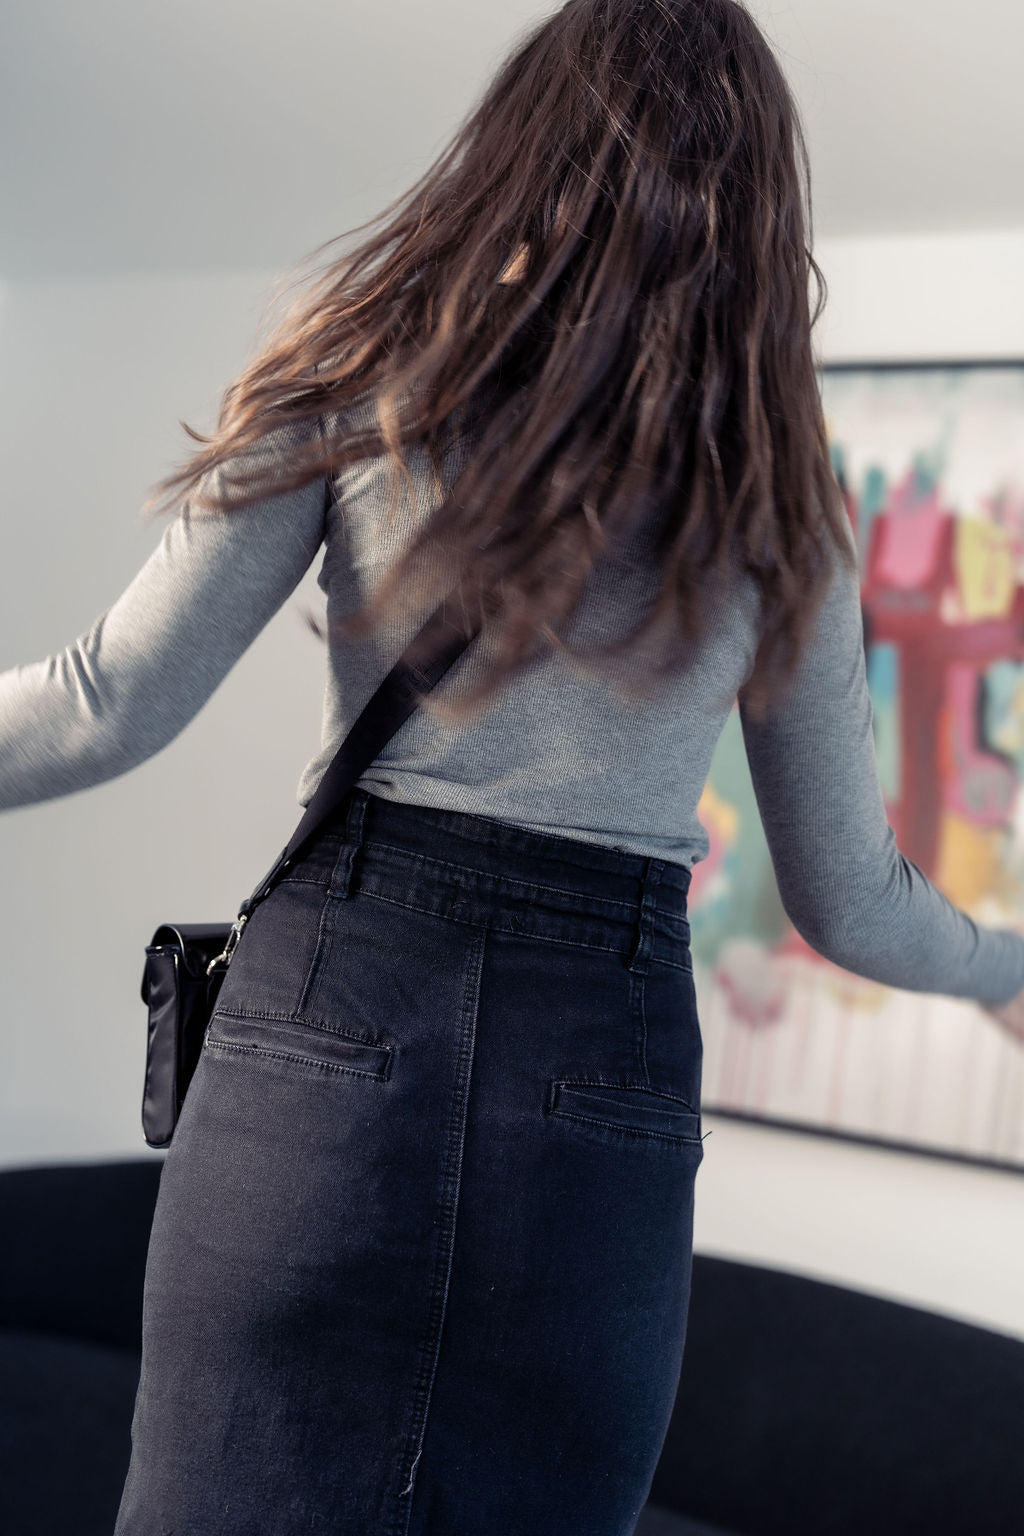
804, 1409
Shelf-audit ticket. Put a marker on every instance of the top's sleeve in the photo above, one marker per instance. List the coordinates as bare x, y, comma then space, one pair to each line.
844, 884
124, 689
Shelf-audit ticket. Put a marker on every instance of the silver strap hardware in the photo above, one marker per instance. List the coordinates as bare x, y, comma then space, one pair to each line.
233, 938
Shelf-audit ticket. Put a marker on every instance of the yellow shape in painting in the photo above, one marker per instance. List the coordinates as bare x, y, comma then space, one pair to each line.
854, 994
718, 815
969, 864
984, 568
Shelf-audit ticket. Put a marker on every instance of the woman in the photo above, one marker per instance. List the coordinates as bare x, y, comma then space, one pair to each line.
420, 1261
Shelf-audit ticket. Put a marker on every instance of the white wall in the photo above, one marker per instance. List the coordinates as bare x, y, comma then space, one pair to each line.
93, 378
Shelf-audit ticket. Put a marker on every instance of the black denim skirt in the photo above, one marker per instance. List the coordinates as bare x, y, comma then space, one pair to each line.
421, 1256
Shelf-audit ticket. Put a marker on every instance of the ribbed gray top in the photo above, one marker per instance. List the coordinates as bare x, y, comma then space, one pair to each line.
561, 749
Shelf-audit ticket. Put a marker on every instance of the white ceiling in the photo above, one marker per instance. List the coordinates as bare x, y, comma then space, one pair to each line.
216, 134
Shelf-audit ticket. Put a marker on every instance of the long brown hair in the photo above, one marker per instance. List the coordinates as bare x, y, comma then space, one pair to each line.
650, 373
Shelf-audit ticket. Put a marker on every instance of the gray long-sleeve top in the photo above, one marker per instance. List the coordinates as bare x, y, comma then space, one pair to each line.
560, 749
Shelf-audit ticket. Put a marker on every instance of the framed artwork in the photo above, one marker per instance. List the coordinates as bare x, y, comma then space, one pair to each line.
930, 460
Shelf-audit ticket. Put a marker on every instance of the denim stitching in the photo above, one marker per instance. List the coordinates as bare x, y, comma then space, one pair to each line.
325, 932
309, 1061
599, 1080
449, 1216
529, 886
629, 1130
541, 938
308, 1021
636, 1013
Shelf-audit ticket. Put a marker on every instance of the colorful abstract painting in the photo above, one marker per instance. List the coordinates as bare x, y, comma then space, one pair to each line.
930, 459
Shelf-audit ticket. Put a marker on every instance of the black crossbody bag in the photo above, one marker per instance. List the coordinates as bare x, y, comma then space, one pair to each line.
187, 962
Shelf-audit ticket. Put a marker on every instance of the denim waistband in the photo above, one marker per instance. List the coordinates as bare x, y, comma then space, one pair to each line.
480, 870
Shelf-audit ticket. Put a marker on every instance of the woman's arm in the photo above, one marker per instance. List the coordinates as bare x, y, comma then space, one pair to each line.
845, 885
120, 692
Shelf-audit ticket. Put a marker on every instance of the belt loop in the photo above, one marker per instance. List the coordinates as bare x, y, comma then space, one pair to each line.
640, 958
341, 880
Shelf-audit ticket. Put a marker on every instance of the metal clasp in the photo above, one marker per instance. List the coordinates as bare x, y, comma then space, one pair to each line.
229, 948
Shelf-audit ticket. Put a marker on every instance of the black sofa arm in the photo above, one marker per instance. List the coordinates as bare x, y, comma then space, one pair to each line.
75, 1238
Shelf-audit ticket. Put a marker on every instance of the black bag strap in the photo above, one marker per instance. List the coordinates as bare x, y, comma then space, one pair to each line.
443, 640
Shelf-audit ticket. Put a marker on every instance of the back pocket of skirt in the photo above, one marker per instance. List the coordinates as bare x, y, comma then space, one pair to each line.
637, 1112
305, 1046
